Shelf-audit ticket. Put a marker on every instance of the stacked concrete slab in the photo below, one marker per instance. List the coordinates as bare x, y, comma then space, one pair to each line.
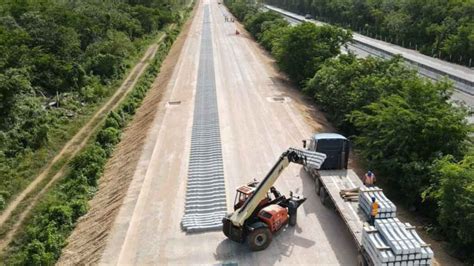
391, 242
386, 208
314, 159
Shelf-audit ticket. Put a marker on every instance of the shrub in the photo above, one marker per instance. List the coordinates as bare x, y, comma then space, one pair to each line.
79, 207
108, 137
305, 47
2, 202
253, 23
453, 188
347, 83
92, 153
272, 33
36, 254
60, 214
115, 120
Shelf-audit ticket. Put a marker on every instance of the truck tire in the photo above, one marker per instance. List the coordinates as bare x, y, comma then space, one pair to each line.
259, 239
317, 185
323, 196
361, 260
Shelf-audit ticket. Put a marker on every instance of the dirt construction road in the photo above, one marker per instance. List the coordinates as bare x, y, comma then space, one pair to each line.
255, 129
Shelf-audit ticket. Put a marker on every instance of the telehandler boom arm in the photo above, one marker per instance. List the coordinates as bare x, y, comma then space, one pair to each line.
292, 155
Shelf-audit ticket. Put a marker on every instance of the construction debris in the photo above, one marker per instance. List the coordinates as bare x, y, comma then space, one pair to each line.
391, 242
386, 208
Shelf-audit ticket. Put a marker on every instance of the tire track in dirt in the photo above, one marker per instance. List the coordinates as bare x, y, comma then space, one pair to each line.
72, 147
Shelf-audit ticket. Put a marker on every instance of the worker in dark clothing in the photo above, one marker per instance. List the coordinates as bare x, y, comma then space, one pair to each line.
374, 210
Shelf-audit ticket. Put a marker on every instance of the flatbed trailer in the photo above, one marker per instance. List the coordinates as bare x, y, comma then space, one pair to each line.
389, 242
328, 184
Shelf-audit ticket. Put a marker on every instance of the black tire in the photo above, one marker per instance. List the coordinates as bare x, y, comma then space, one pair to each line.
259, 239
323, 196
317, 186
361, 260
292, 210
292, 220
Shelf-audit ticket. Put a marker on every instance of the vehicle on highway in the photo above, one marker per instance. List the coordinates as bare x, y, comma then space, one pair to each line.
257, 215
308, 16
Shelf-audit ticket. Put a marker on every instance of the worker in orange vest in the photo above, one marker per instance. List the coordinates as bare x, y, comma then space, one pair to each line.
374, 210
369, 179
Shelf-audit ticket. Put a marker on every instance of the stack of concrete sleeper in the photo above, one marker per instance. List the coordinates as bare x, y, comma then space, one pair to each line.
386, 208
205, 195
391, 242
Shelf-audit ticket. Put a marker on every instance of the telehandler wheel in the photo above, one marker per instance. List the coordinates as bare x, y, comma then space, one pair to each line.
292, 220
323, 196
292, 212
317, 186
259, 239
361, 260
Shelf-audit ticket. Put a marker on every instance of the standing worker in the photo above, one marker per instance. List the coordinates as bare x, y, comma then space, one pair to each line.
374, 210
369, 179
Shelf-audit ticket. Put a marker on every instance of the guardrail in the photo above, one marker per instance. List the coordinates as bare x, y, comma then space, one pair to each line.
436, 69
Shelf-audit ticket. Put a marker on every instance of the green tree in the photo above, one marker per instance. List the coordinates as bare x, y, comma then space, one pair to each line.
453, 189
433, 27
403, 133
13, 83
240, 9
253, 23
347, 83
273, 32
107, 56
306, 46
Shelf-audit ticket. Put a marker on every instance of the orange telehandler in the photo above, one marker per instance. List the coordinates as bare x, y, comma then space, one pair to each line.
259, 214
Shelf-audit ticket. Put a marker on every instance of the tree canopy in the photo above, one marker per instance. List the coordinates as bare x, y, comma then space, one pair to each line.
302, 50
441, 28
57, 58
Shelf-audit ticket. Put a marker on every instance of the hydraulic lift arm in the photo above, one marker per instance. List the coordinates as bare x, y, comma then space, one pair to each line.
310, 158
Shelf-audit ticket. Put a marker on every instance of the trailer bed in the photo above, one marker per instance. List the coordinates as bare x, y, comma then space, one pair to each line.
336, 180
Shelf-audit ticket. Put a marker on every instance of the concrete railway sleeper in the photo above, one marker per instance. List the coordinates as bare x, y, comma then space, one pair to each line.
203, 208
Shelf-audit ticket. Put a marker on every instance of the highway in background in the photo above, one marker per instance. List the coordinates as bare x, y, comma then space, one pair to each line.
435, 69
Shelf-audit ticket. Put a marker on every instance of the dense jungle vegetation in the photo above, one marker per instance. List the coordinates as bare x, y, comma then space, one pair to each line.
439, 28
94, 44
403, 125
58, 60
